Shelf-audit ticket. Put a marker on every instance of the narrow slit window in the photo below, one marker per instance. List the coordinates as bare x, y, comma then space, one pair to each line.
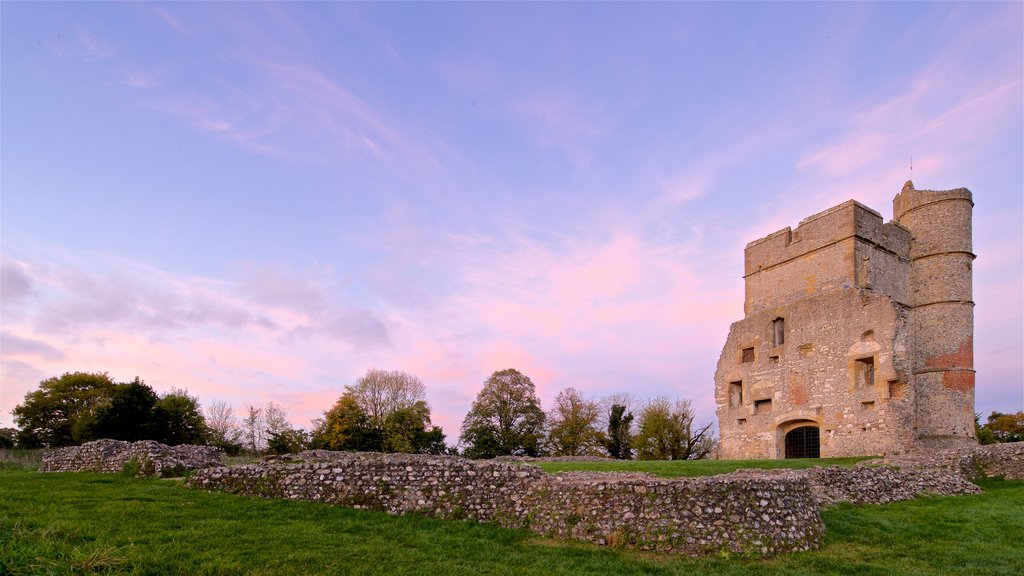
778, 332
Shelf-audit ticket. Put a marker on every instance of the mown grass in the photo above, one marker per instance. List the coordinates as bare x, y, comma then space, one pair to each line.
111, 524
679, 468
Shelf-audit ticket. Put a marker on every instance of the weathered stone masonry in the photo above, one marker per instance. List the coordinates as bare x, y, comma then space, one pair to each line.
743, 512
857, 336
150, 458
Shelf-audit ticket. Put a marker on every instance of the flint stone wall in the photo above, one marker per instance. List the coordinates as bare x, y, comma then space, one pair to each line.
740, 512
883, 484
973, 461
153, 458
1006, 460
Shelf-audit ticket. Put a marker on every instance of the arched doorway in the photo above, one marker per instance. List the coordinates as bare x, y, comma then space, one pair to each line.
803, 442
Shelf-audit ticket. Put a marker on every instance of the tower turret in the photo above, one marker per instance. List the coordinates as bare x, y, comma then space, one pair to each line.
942, 309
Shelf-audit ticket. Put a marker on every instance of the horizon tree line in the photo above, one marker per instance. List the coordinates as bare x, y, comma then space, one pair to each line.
383, 411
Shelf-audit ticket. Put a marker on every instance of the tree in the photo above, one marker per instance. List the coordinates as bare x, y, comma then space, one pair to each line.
505, 418
275, 419
128, 413
382, 392
61, 411
347, 426
180, 419
409, 430
1001, 428
288, 441
620, 436
253, 431
666, 432
572, 426
225, 432
7, 436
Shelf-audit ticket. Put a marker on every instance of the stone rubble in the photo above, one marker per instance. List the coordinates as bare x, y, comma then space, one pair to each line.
150, 458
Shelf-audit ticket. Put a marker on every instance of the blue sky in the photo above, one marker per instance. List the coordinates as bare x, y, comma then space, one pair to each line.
261, 201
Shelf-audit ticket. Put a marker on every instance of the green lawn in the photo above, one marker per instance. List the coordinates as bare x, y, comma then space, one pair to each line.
676, 468
110, 524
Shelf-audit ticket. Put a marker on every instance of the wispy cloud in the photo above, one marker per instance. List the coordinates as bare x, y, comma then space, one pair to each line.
561, 120
172, 22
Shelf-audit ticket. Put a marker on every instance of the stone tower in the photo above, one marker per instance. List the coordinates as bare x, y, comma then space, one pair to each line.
857, 335
941, 309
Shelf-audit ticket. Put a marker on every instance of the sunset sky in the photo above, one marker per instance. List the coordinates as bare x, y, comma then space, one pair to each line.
259, 202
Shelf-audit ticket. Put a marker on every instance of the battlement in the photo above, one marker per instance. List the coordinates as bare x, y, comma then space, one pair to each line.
827, 228
911, 199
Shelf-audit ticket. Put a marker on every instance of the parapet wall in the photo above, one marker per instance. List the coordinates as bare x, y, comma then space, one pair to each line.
742, 512
151, 458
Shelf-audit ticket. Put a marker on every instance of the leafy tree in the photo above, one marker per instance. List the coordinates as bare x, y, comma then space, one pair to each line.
288, 441
409, 430
505, 418
61, 411
347, 426
666, 432
180, 419
1001, 428
128, 413
7, 436
344, 426
620, 437
572, 426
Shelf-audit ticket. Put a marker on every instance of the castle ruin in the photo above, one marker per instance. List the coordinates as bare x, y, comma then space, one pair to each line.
857, 334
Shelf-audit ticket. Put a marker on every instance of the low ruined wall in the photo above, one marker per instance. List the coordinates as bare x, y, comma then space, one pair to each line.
144, 458
743, 513
1006, 460
883, 484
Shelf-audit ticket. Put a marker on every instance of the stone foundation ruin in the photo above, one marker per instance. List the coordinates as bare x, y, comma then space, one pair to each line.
144, 458
762, 512
742, 513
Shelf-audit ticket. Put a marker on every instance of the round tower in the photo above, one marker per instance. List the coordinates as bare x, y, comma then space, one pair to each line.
942, 310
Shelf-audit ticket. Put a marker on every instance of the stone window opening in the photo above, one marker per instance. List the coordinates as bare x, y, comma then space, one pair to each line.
778, 332
762, 406
865, 372
747, 355
897, 390
736, 394
870, 405
741, 422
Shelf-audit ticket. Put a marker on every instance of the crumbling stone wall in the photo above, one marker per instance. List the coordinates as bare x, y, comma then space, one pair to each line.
1006, 460
144, 458
883, 484
971, 462
742, 512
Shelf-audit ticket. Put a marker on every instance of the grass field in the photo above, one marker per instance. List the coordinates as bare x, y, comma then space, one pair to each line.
111, 524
